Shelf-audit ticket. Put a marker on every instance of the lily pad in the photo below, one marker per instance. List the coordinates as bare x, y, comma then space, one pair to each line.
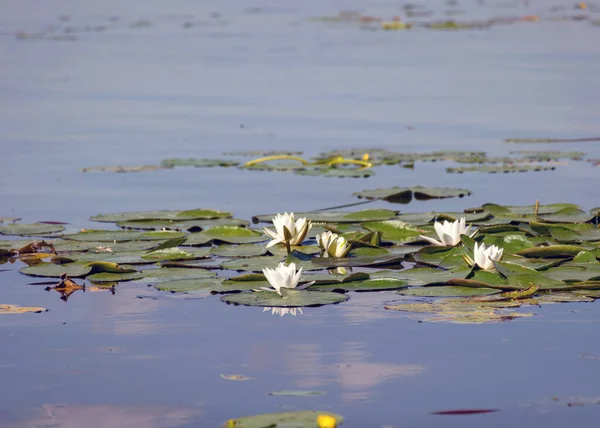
292, 299
298, 419
335, 217
375, 284
114, 277
31, 229
394, 230
188, 285
73, 270
422, 276
229, 234
551, 251
104, 236
170, 163
14, 309
188, 225
243, 250
404, 195
447, 291
194, 214
157, 275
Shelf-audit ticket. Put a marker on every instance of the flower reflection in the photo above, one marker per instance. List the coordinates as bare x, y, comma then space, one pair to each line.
284, 311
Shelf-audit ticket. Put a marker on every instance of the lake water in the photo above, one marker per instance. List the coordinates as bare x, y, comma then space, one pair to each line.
86, 84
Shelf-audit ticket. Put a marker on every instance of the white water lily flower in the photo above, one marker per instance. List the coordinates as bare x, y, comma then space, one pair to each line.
449, 233
333, 245
297, 228
284, 277
485, 257
284, 311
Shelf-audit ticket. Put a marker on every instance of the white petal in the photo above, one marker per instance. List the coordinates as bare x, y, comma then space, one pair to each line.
433, 241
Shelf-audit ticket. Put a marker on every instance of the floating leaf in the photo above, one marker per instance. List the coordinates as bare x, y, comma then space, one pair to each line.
335, 217
551, 251
229, 234
235, 377
375, 284
14, 309
404, 195
447, 291
195, 214
293, 298
73, 270
114, 277
422, 276
187, 285
298, 419
243, 250
157, 275
32, 229
394, 230
170, 163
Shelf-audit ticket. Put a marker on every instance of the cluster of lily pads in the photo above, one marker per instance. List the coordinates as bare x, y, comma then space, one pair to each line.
360, 162
505, 258
446, 19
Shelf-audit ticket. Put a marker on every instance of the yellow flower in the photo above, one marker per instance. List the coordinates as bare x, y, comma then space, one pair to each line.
326, 421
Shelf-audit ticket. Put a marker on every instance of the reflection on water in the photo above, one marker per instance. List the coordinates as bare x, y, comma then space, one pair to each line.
284, 311
351, 371
103, 416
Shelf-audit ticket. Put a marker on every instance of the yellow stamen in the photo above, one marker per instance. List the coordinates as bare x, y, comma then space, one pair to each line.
326, 421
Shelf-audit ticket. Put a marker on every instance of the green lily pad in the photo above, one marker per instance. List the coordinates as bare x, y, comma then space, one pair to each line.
335, 217
229, 234
394, 231
162, 274
551, 251
447, 291
114, 277
243, 250
511, 269
568, 215
573, 273
170, 163
122, 235
404, 195
331, 171
195, 214
31, 229
500, 169
188, 225
444, 257
547, 298
298, 419
292, 298
64, 245
375, 284
256, 264
73, 270
176, 254
525, 281
595, 294
422, 276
